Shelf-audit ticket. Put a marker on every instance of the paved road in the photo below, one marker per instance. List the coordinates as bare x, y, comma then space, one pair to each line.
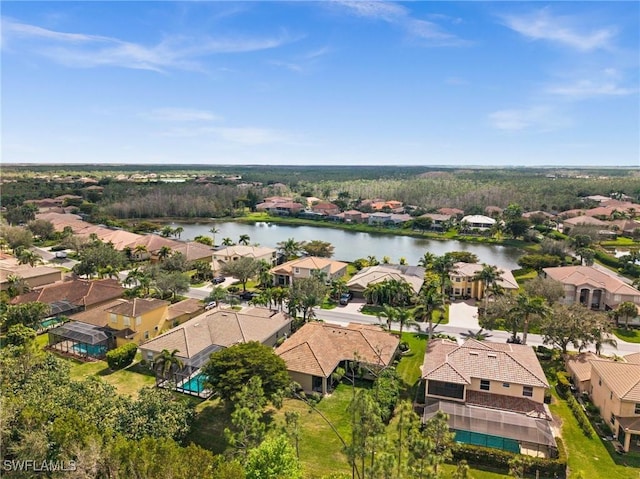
457, 326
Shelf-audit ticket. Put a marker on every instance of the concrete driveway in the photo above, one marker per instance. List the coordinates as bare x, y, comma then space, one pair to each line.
464, 314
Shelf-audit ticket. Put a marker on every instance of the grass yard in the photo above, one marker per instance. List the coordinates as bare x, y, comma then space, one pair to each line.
628, 335
126, 381
208, 428
409, 366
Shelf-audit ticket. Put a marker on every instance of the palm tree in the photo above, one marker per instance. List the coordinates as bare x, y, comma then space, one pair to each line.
217, 294
227, 242
132, 277
426, 260
489, 275
214, 231
166, 231
166, 362
139, 250
528, 307
602, 338
405, 318
443, 266
479, 335
26, 256
16, 285
373, 261
388, 312
627, 310
178, 232
429, 301
108, 271
244, 239
164, 252
290, 248
337, 288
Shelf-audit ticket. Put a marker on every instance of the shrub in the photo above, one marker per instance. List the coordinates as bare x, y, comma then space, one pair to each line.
563, 386
581, 417
608, 260
121, 357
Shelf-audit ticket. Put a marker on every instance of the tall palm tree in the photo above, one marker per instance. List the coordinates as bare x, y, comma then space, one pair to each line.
108, 271
602, 338
373, 261
167, 362
489, 275
214, 231
337, 288
140, 250
389, 313
227, 242
290, 248
26, 256
529, 307
178, 232
627, 310
166, 231
244, 239
443, 266
426, 260
16, 285
279, 296
164, 252
405, 318
429, 301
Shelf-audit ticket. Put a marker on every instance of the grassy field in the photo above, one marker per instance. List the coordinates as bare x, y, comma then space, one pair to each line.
126, 381
628, 335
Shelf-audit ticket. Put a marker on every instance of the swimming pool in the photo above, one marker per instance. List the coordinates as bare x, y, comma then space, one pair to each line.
94, 350
50, 322
195, 384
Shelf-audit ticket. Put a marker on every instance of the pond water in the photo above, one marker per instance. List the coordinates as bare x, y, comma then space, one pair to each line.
350, 245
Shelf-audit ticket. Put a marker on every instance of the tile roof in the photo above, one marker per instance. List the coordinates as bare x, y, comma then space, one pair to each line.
414, 275
80, 292
244, 251
318, 348
96, 316
311, 263
633, 358
584, 220
186, 306
220, 327
512, 363
153, 242
138, 306
621, 378
580, 365
194, 251
587, 275
25, 271
507, 280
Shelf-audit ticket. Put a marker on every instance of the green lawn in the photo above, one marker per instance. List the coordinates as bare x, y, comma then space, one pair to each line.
126, 381
208, 428
628, 335
409, 366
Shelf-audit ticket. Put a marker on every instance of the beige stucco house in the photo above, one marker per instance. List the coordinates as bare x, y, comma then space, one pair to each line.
414, 275
463, 284
287, 273
234, 253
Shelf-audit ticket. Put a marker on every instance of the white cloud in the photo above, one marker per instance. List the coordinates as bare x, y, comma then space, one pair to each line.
540, 118
400, 16
588, 88
542, 25
87, 51
180, 115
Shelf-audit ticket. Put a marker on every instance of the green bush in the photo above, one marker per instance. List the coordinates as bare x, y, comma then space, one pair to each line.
581, 417
608, 260
121, 357
563, 386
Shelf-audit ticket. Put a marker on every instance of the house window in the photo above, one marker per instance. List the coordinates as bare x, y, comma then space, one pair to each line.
149, 355
113, 317
617, 297
637, 409
612, 419
527, 391
296, 270
599, 382
126, 320
458, 280
485, 384
146, 335
138, 320
506, 385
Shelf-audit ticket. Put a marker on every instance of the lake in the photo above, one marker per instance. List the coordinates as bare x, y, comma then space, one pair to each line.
350, 245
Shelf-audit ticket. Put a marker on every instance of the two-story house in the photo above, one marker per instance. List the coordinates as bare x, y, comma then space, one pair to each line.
138, 320
414, 275
593, 288
493, 394
286, 273
234, 253
463, 283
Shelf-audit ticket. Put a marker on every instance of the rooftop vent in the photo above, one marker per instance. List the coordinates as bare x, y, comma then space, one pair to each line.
492, 355
473, 353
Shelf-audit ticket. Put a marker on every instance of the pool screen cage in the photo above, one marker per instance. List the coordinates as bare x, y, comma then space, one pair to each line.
81, 340
496, 428
190, 367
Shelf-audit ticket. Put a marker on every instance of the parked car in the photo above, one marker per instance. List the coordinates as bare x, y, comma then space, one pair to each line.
218, 279
345, 298
210, 305
61, 254
248, 295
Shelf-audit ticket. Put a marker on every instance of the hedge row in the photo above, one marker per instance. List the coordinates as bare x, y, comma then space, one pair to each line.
121, 357
608, 260
579, 414
497, 458
563, 385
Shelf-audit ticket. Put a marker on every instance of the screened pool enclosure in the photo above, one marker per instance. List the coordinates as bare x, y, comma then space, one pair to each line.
82, 340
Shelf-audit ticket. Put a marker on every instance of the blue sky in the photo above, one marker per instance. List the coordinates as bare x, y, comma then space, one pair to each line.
332, 82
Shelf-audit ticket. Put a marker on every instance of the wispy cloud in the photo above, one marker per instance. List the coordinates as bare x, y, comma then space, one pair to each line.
302, 63
583, 89
82, 50
566, 30
401, 16
180, 115
539, 118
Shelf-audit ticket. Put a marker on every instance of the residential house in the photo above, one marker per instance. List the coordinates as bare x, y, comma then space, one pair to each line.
355, 216
414, 275
194, 251
183, 311
196, 339
148, 246
579, 367
388, 219
305, 267
325, 209
280, 206
615, 390
479, 222
68, 297
493, 394
464, 285
233, 253
34, 276
450, 211
138, 320
583, 221
438, 219
593, 288
315, 351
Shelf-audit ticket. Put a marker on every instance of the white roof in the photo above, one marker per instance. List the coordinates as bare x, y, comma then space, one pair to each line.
478, 219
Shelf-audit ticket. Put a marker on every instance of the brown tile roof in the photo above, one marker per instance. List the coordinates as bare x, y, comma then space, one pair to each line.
309, 262
450, 211
80, 292
25, 271
96, 316
507, 281
138, 306
220, 327
244, 251
186, 306
318, 348
153, 242
580, 365
512, 363
194, 251
584, 220
633, 358
413, 275
587, 275
621, 378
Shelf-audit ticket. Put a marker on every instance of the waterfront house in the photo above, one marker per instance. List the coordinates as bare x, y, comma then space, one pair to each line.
325, 209
414, 275
480, 222
286, 273
463, 283
233, 253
